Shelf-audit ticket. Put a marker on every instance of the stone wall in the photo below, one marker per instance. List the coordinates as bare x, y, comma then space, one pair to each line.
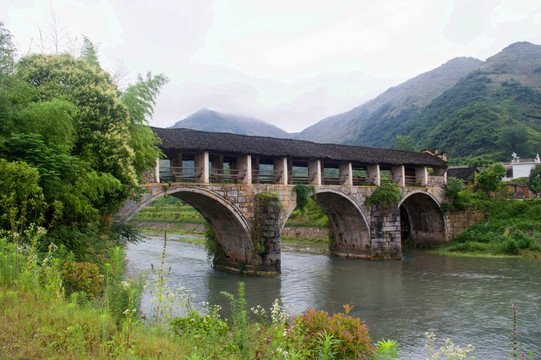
458, 221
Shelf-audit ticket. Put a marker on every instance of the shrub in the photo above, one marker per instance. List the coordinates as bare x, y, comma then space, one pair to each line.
510, 246
385, 195
198, 326
351, 335
82, 276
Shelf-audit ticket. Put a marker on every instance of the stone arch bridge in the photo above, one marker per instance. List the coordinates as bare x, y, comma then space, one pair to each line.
244, 188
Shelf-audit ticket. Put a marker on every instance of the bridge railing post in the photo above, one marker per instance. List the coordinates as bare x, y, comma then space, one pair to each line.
346, 174
314, 172
421, 176
373, 174
398, 175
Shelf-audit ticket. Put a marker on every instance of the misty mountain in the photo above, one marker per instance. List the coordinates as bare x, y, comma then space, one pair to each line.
374, 123
208, 120
465, 107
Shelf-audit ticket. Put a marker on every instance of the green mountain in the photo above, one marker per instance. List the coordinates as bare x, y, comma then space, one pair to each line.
465, 107
373, 123
494, 110
208, 120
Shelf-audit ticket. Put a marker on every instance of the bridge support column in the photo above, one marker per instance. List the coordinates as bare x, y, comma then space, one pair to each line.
373, 174
157, 171
217, 168
398, 175
176, 166
266, 235
244, 165
314, 172
346, 174
385, 230
201, 162
421, 176
280, 171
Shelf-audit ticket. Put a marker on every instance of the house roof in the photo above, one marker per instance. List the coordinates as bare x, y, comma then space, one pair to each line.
186, 140
460, 172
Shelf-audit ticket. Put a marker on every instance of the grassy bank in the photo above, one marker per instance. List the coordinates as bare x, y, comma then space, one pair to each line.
511, 228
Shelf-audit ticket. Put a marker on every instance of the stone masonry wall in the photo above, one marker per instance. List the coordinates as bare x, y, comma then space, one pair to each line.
458, 221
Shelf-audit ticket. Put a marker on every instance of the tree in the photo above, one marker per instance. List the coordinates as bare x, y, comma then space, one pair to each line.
404, 143
21, 198
489, 179
479, 162
7, 52
101, 121
89, 53
534, 179
140, 100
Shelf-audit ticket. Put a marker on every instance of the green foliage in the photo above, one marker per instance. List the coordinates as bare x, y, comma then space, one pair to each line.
404, 142
122, 297
489, 179
199, 327
511, 227
82, 276
534, 179
453, 187
140, 100
303, 193
314, 216
478, 162
21, 197
7, 52
214, 250
65, 118
240, 321
345, 336
89, 53
385, 195
387, 349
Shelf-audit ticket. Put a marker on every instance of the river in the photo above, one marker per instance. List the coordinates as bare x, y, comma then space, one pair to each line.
465, 299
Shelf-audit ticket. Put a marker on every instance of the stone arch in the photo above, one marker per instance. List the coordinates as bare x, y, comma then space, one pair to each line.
348, 223
231, 229
421, 213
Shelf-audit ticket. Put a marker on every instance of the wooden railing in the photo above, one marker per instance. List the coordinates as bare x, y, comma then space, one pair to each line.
227, 176
266, 176
180, 174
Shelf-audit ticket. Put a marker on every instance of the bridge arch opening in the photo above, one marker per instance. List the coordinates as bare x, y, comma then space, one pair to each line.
234, 247
421, 221
349, 230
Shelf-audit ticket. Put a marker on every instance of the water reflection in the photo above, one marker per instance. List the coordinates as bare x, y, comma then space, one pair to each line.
465, 299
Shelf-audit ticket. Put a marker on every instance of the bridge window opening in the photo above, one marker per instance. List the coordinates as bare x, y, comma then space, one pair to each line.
360, 176
385, 175
225, 170
299, 173
411, 177
331, 174
165, 170
264, 173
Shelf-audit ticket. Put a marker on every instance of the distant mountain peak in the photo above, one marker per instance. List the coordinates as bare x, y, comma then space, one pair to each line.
214, 121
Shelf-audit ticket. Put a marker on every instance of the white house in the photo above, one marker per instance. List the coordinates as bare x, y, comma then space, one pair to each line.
518, 167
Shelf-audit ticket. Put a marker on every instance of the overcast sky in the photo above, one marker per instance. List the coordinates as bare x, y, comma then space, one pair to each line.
288, 62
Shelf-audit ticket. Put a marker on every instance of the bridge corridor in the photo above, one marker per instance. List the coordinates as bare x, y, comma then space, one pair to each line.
244, 188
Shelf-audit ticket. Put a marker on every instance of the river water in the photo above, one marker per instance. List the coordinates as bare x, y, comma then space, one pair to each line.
465, 299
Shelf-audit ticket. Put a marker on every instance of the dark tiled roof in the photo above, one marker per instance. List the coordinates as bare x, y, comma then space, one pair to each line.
186, 140
460, 172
